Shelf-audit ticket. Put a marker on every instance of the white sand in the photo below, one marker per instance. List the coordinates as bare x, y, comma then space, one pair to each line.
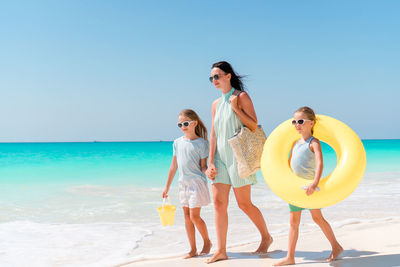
365, 245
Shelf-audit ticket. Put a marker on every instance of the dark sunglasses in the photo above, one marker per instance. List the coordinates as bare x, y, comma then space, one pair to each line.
215, 77
294, 122
185, 123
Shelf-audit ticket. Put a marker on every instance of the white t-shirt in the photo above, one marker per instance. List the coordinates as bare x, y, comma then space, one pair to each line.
189, 154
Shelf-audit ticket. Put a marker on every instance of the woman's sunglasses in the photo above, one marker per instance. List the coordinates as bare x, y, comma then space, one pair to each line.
185, 123
300, 122
215, 77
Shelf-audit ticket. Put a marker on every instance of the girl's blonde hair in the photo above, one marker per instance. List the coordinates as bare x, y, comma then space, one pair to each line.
200, 129
310, 114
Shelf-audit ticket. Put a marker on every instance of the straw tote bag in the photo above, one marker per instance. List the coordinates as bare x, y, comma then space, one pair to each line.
247, 148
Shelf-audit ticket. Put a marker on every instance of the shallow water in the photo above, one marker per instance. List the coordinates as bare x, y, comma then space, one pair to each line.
94, 204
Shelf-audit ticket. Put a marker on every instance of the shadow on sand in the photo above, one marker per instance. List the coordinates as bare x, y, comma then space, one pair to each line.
391, 260
352, 257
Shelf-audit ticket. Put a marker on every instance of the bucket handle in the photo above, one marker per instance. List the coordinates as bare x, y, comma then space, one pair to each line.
163, 202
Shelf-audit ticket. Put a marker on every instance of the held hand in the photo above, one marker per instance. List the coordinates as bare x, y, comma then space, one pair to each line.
211, 171
234, 102
310, 189
165, 193
210, 174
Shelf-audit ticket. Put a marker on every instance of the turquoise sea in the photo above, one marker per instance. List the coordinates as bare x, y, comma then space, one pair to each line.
142, 164
94, 204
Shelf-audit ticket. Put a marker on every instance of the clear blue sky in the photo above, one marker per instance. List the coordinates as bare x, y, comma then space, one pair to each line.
122, 70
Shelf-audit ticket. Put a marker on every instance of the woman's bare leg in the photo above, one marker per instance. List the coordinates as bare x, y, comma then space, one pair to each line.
243, 198
221, 201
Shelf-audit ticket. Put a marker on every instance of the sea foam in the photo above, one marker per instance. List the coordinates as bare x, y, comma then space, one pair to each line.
25, 243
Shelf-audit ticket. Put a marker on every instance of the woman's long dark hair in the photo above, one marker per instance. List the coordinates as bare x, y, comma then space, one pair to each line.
236, 80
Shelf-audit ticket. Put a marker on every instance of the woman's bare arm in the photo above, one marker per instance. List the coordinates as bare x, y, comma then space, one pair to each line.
244, 109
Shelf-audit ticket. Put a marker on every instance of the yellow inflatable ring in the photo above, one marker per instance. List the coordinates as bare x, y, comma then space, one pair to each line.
351, 163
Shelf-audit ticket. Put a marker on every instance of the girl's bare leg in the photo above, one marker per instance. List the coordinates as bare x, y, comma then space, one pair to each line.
191, 234
202, 227
328, 232
293, 237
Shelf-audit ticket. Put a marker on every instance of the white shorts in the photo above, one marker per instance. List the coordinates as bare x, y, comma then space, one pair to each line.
194, 193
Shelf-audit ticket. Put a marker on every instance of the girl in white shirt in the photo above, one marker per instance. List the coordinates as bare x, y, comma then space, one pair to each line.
190, 153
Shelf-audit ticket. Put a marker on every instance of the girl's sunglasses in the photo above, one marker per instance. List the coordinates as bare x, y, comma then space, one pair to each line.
215, 77
185, 123
300, 122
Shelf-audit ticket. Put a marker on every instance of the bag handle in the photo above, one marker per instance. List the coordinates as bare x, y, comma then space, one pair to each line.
237, 93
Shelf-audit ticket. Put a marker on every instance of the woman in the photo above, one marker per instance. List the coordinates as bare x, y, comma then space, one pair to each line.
227, 112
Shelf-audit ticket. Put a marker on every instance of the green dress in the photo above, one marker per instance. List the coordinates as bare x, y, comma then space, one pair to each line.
225, 128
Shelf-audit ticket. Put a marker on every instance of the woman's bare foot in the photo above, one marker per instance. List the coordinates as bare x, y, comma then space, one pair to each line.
335, 254
264, 245
191, 254
285, 261
206, 248
218, 256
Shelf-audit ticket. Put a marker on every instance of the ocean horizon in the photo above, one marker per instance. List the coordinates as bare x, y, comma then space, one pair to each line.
140, 141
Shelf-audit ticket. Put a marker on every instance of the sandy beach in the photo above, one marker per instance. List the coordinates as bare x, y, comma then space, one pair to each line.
365, 245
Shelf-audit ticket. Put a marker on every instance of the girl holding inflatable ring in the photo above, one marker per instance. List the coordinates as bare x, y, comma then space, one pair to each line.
306, 161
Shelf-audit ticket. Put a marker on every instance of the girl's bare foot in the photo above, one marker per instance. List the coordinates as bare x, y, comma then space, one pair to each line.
218, 256
206, 248
335, 254
191, 254
264, 245
285, 261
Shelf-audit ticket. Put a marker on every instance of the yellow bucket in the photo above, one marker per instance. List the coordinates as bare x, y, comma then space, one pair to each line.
167, 213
